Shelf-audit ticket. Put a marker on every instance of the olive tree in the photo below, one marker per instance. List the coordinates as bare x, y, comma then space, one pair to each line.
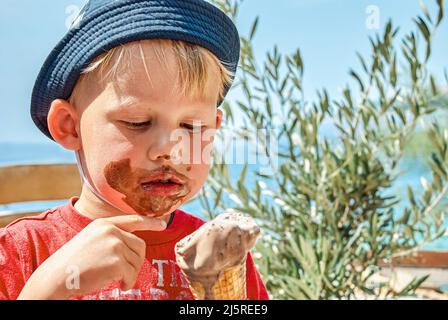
328, 210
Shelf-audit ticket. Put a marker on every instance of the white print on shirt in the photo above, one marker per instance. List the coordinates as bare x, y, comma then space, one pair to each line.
159, 271
175, 276
159, 294
166, 270
118, 294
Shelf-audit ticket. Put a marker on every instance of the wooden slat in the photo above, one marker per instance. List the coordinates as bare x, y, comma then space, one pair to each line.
38, 182
8, 218
423, 259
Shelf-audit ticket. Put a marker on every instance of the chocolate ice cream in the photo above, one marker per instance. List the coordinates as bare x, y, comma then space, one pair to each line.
219, 244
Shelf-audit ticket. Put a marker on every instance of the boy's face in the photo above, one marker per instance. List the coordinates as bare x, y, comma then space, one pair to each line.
135, 128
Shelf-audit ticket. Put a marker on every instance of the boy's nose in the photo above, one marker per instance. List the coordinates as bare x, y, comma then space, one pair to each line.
165, 156
160, 147
159, 152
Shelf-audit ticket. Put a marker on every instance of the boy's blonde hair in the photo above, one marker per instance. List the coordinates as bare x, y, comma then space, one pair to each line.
194, 64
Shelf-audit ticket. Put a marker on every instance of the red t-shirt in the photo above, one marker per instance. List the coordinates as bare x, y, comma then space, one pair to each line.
27, 242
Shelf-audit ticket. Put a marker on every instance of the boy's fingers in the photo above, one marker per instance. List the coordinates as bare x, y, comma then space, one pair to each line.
134, 260
131, 223
134, 243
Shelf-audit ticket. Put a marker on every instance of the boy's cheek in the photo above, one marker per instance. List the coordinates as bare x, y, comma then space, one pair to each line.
198, 174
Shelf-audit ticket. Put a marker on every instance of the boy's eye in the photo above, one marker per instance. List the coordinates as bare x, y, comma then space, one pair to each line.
192, 127
136, 124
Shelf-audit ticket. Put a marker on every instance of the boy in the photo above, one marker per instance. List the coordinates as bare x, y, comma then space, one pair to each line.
127, 77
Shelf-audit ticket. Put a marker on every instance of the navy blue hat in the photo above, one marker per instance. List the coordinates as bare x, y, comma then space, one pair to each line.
104, 24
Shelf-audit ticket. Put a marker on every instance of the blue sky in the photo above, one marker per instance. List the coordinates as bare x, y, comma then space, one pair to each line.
328, 32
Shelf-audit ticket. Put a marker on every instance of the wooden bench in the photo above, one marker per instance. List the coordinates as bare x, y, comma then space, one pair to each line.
36, 182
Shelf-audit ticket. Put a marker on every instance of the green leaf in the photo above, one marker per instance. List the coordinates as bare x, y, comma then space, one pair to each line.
434, 90
440, 15
253, 29
393, 71
414, 284
425, 10
440, 167
411, 197
218, 198
362, 61
357, 78
243, 173
268, 107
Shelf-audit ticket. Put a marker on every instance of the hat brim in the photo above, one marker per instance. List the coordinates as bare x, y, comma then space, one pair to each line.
120, 22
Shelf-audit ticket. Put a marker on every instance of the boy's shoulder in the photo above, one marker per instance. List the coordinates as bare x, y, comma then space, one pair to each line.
34, 222
32, 227
32, 239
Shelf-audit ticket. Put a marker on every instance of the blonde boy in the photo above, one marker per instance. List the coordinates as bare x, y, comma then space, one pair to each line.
132, 81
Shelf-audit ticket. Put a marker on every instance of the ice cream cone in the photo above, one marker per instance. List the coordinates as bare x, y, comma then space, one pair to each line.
213, 257
231, 285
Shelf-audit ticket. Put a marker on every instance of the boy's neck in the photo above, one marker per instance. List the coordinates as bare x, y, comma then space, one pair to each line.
90, 206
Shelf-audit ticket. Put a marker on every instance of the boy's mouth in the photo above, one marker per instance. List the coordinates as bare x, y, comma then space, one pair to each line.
147, 191
162, 184
163, 178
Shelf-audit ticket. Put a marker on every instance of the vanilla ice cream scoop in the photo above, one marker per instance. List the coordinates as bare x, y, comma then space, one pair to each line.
218, 245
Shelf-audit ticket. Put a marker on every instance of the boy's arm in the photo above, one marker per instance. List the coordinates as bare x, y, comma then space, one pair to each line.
11, 271
256, 290
115, 254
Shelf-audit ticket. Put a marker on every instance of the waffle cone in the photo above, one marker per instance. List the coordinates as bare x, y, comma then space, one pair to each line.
231, 285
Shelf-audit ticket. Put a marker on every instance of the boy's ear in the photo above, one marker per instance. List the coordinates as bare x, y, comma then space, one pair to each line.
62, 123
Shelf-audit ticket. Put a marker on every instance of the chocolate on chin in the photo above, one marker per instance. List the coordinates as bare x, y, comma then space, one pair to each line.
144, 200
213, 258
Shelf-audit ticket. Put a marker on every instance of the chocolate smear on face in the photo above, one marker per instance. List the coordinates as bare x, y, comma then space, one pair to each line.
126, 180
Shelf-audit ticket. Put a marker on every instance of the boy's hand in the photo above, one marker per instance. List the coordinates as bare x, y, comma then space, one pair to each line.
104, 251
